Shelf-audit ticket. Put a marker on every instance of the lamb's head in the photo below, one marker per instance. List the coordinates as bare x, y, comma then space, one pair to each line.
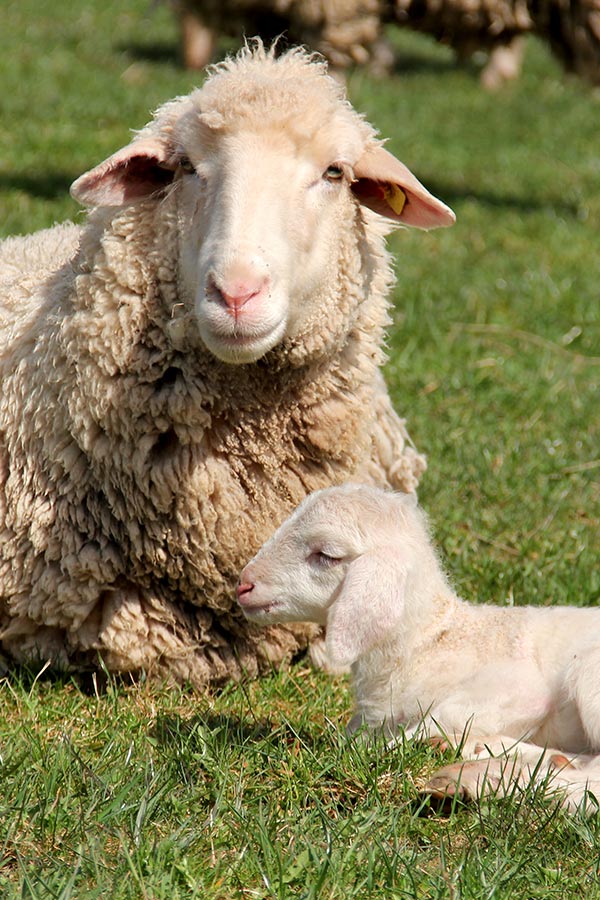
347, 558
268, 160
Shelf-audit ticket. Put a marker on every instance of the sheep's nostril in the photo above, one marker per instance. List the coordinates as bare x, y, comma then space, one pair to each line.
239, 295
233, 293
242, 591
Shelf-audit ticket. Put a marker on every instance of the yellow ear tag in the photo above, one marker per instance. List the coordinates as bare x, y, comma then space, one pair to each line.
395, 198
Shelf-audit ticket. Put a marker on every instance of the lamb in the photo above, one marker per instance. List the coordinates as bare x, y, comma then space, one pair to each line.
181, 370
509, 681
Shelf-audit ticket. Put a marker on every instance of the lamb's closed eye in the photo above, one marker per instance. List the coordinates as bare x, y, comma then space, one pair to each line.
321, 559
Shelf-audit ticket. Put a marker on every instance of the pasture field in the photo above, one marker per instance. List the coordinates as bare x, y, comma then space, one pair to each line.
129, 791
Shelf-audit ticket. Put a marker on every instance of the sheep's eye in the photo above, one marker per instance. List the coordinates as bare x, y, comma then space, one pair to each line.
324, 560
186, 165
333, 173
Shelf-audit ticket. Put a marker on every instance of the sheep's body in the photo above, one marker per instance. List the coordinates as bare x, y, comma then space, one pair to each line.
178, 373
570, 27
359, 561
351, 32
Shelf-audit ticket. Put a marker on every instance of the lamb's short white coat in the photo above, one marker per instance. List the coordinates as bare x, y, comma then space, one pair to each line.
491, 679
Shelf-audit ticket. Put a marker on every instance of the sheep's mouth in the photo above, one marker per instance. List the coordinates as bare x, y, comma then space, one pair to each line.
243, 341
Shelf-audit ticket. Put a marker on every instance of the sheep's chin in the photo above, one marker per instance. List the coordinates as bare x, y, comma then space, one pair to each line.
240, 349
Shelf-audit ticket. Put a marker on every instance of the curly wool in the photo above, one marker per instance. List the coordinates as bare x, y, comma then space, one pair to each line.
138, 473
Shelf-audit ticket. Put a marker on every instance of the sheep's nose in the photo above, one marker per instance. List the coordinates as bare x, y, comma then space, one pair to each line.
243, 589
235, 293
241, 294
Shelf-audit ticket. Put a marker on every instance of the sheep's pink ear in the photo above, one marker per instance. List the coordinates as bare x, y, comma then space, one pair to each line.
368, 608
386, 186
130, 174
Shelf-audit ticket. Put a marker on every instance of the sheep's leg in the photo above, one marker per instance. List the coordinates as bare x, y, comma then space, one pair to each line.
505, 64
198, 40
474, 779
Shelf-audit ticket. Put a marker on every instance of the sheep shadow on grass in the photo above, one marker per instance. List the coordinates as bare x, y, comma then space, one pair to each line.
50, 186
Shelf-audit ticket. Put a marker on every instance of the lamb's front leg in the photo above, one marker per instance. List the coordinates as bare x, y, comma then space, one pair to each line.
472, 780
500, 765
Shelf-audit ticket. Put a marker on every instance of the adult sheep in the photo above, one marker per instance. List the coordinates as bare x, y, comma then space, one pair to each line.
181, 371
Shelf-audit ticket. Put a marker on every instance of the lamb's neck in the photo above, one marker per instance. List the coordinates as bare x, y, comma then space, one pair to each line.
429, 600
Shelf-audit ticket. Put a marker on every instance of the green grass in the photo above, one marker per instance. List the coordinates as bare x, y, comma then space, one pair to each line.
152, 792
148, 792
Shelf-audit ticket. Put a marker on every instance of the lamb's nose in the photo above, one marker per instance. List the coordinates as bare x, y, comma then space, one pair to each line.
242, 591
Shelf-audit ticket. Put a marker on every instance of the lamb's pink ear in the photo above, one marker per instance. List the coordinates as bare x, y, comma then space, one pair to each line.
386, 186
368, 608
130, 174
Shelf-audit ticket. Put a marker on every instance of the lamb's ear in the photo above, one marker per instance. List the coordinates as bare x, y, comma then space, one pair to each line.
386, 186
368, 608
130, 174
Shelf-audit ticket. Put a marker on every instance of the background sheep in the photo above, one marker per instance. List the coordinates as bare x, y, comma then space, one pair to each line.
344, 31
359, 561
180, 372
571, 28
352, 32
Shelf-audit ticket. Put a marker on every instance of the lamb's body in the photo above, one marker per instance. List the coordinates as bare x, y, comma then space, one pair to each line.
359, 561
473, 668
153, 428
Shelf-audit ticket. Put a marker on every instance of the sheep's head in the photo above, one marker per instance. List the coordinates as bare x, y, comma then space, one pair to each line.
268, 160
342, 560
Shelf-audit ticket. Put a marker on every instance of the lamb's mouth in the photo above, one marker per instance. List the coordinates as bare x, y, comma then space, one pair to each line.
259, 609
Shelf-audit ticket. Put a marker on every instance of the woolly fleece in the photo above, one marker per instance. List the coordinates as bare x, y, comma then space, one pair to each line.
138, 473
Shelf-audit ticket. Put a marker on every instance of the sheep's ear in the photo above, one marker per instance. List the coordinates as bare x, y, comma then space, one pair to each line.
130, 174
386, 186
368, 608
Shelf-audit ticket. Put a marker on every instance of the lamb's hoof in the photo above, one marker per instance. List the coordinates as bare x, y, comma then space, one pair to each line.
445, 790
439, 743
560, 761
463, 782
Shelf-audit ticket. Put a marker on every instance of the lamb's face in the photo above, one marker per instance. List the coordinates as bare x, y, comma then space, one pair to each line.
297, 574
343, 560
